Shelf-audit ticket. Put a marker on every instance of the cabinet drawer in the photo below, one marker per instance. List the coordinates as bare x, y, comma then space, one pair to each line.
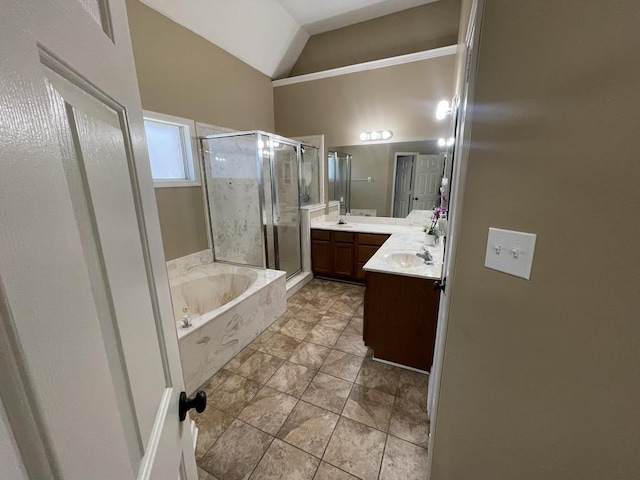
321, 235
343, 237
365, 252
371, 239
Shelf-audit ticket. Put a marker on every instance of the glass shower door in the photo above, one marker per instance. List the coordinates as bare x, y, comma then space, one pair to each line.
285, 182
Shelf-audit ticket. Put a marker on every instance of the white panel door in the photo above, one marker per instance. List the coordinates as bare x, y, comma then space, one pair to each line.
402, 192
427, 177
86, 320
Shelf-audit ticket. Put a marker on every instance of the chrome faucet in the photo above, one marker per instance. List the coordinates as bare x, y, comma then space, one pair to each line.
425, 255
186, 321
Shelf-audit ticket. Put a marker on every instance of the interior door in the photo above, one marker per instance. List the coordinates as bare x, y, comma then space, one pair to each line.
89, 358
426, 183
402, 196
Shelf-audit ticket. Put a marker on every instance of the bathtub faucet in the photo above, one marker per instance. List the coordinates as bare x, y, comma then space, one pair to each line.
186, 321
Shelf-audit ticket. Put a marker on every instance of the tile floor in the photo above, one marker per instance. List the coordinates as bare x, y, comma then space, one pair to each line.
306, 401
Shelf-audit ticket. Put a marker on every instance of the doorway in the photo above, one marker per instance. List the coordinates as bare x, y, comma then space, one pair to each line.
416, 184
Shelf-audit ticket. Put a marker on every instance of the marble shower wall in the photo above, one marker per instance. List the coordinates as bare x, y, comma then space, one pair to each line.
234, 200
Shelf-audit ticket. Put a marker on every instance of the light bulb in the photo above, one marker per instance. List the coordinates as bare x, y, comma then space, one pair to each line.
375, 135
442, 109
450, 141
276, 144
442, 142
386, 134
364, 136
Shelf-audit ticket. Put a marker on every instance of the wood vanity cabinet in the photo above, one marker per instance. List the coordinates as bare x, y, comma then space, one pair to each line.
400, 317
341, 255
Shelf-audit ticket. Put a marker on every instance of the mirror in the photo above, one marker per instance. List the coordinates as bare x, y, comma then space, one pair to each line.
388, 179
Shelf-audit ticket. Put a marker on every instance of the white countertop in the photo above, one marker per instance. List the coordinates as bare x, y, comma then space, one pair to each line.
407, 236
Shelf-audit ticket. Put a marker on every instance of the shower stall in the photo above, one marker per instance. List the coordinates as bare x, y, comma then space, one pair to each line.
253, 186
339, 175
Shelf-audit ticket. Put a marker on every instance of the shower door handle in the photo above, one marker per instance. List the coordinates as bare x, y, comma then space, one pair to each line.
276, 217
198, 401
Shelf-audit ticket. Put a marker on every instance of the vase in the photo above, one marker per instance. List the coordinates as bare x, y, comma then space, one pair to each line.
430, 240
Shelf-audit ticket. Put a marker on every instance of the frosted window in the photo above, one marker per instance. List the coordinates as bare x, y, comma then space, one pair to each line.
166, 151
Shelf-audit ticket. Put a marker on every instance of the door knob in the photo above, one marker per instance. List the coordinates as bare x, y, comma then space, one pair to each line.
198, 401
415, 198
439, 286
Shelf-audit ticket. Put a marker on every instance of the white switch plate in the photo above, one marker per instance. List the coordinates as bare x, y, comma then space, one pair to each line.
510, 252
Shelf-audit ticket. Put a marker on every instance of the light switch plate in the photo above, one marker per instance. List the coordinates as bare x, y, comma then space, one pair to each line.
510, 252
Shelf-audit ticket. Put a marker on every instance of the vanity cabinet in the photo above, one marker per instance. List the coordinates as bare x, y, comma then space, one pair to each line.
341, 255
400, 317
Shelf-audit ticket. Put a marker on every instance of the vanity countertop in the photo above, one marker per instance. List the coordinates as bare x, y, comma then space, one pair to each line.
407, 237
408, 242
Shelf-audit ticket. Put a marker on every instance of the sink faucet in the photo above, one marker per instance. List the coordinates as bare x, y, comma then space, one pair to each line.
186, 321
425, 255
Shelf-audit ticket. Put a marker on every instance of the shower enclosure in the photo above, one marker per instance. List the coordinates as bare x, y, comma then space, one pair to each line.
339, 174
253, 186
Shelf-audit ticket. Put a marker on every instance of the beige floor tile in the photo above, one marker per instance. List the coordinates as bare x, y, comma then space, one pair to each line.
342, 365
337, 321
379, 376
261, 339
409, 422
356, 449
413, 386
292, 379
307, 292
310, 355
236, 362
211, 424
403, 460
309, 314
309, 428
296, 328
368, 406
215, 381
355, 326
202, 475
234, 394
327, 471
351, 343
327, 392
324, 336
275, 326
284, 462
268, 410
280, 346
322, 303
259, 367
343, 307
353, 297
237, 452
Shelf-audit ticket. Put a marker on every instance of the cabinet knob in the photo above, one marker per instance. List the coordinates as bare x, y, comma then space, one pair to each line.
439, 286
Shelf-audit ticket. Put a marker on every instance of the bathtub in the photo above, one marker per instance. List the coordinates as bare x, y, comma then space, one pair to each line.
229, 306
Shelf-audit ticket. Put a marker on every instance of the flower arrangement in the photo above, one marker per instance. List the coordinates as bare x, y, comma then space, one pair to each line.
432, 228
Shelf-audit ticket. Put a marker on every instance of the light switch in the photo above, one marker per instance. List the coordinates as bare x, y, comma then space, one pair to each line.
510, 252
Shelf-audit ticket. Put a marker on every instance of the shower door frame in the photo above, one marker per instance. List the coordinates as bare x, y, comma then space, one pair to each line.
261, 195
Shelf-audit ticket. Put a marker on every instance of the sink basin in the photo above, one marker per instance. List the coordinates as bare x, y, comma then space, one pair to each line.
403, 259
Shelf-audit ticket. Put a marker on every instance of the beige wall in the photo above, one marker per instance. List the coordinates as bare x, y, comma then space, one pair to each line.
402, 98
377, 161
180, 73
422, 28
541, 378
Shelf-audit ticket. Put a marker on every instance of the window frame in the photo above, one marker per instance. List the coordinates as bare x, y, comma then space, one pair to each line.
190, 150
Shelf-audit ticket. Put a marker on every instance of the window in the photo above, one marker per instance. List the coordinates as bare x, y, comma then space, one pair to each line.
170, 145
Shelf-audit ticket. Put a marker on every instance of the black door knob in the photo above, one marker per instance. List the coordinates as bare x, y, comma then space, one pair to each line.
439, 286
198, 401
415, 198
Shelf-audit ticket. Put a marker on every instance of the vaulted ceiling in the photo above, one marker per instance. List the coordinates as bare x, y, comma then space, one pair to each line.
269, 35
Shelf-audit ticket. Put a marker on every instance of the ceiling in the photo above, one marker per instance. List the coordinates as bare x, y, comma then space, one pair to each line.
269, 35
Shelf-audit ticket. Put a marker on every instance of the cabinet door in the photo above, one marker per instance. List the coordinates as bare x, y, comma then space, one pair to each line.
344, 260
321, 261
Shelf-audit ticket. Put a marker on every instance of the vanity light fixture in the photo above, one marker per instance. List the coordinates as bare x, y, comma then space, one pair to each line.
443, 109
376, 135
442, 142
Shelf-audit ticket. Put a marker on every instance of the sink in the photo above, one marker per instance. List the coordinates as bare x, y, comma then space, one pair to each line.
403, 259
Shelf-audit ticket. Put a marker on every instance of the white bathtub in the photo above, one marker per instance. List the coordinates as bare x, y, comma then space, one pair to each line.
229, 306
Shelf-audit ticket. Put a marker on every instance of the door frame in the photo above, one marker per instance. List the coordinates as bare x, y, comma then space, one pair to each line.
395, 173
466, 112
